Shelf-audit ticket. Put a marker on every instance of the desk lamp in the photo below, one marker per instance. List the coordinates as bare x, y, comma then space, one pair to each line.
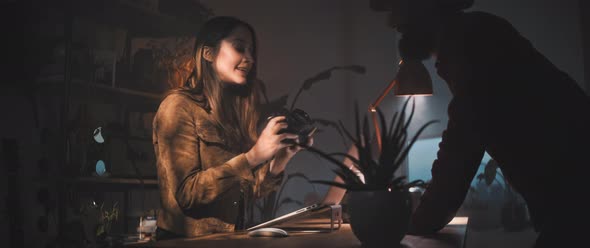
412, 79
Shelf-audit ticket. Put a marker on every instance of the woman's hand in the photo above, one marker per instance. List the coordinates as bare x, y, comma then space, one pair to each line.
284, 155
269, 142
290, 151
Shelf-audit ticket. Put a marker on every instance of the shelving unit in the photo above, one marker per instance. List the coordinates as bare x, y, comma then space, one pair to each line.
68, 92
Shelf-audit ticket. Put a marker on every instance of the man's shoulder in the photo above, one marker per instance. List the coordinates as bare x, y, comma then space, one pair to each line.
478, 33
481, 15
483, 21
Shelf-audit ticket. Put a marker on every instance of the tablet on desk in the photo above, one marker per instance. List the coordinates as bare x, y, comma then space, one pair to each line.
312, 209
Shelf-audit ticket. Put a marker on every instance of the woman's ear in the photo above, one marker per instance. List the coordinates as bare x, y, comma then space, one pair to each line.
208, 53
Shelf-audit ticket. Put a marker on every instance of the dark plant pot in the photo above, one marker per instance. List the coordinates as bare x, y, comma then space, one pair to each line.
379, 218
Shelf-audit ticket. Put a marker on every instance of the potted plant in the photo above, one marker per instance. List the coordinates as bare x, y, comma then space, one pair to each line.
106, 219
379, 207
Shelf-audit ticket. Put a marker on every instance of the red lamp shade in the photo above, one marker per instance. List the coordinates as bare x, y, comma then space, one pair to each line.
412, 79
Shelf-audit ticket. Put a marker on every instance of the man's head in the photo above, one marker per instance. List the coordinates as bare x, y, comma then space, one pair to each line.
417, 21
403, 14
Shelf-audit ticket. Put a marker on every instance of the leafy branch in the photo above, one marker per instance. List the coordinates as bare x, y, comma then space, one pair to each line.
324, 75
274, 203
107, 217
489, 176
275, 105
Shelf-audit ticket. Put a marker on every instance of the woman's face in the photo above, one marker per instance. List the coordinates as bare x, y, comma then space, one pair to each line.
234, 58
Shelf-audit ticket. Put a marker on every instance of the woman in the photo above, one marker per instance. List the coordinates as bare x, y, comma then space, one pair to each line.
211, 162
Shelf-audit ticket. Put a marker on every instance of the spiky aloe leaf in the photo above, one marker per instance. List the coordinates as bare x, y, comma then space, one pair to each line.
397, 182
332, 183
392, 125
355, 68
398, 130
347, 178
411, 114
387, 158
380, 173
331, 124
354, 160
414, 183
351, 187
348, 134
343, 168
407, 149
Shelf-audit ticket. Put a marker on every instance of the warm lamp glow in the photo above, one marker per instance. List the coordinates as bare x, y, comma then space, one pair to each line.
459, 221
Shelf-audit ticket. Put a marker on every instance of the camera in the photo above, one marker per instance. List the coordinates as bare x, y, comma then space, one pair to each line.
298, 122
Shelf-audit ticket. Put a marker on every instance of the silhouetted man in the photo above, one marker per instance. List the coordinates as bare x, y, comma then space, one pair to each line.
509, 101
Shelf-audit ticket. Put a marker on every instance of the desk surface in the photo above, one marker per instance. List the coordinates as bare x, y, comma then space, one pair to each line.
452, 236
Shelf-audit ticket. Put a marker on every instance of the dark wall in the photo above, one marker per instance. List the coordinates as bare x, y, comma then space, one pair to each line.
585, 28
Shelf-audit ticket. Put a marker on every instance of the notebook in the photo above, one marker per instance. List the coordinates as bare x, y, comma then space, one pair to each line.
332, 198
312, 209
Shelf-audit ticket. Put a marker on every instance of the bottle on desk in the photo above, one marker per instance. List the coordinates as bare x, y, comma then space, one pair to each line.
147, 228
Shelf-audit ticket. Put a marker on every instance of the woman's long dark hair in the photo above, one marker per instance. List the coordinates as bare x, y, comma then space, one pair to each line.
234, 109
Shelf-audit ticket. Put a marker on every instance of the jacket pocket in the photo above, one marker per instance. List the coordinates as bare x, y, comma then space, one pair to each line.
209, 134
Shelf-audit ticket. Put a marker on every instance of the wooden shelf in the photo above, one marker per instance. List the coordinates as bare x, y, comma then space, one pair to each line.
114, 180
78, 83
110, 183
89, 92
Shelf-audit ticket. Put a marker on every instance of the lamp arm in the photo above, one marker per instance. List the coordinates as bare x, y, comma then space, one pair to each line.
373, 110
377, 130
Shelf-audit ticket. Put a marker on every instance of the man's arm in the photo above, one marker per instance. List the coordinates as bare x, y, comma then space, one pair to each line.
460, 153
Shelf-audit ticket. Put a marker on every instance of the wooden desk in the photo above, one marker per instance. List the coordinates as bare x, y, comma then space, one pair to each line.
452, 236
